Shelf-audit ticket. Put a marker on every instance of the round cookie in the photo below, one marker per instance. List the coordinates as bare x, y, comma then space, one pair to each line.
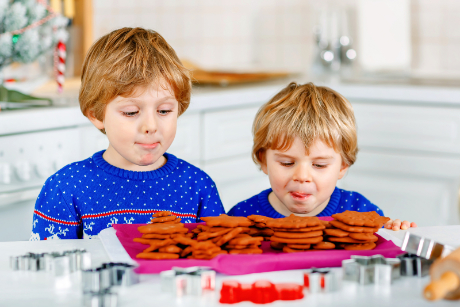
299, 246
304, 229
246, 251
364, 246
366, 236
287, 249
324, 245
348, 240
170, 249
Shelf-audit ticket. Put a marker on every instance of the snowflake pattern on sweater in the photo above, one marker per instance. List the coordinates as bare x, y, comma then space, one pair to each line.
86, 197
340, 201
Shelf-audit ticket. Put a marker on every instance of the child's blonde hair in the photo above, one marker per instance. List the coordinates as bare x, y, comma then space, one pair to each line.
124, 60
309, 112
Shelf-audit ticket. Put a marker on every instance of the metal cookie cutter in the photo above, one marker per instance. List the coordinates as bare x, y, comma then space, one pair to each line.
426, 248
109, 275
321, 281
184, 281
412, 265
374, 269
104, 298
59, 263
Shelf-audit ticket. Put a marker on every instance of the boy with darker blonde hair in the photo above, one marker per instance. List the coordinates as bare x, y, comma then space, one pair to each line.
133, 89
305, 140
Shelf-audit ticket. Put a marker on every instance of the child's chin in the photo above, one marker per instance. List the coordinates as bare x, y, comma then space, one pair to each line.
300, 210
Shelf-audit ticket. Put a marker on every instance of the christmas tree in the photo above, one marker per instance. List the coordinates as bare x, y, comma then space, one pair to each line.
28, 29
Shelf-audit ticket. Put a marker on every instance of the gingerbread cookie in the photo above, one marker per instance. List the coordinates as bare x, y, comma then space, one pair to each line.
298, 235
162, 213
367, 219
157, 244
164, 219
228, 236
208, 235
299, 246
306, 229
155, 236
335, 232
324, 245
259, 218
363, 236
349, 240
246, 241
294, 221
287, 249
245, 251
312, 240
188, 250
170, 249
364, 246
157, 256
277, 245
185, 241
162, 228
340, 225
224, 220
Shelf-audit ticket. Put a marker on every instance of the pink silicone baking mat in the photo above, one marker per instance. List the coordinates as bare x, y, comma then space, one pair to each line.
270, 260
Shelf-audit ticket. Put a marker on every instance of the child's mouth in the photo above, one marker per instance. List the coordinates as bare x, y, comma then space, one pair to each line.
148, 146
300, 195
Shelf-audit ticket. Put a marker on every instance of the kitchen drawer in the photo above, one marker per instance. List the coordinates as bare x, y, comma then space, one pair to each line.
418, 128
186, 144
228, 133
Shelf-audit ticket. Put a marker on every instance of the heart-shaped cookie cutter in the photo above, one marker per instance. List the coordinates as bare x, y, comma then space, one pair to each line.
425, 248
371, 269
413, 265
188, 281
321, 280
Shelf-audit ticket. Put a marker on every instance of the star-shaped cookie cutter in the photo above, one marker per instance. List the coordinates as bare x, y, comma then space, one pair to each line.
321, 280
425, 248
188, 281
413, 265
371, 270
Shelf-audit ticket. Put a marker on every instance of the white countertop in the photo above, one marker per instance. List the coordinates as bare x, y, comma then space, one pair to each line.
21, 288
220, 98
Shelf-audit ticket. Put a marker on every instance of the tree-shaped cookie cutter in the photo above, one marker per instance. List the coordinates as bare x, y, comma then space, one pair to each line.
371, 270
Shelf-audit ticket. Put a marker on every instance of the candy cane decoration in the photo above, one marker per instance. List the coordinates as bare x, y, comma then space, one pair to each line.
59, 60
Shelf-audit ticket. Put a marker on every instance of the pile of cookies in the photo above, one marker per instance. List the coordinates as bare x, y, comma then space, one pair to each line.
352, 230
161, 237
260, 228
230, 233
297, 234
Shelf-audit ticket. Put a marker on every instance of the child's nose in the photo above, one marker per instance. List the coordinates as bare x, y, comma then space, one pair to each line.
302, 174
149, 124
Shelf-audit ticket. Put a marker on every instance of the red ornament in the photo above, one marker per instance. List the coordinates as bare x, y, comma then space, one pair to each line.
260, 292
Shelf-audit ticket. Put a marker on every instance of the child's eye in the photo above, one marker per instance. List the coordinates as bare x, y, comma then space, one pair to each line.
130, 114
164, 112
287, 163
320, 165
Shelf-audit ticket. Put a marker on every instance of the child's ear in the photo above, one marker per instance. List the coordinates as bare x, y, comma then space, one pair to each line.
96, 122
343, 170
263, 167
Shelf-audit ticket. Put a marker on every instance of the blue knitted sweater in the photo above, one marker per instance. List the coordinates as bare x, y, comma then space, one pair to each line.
340, 201
86, 197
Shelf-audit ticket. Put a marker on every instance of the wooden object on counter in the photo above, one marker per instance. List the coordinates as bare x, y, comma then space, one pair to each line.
82, 32
223, 78
445, 278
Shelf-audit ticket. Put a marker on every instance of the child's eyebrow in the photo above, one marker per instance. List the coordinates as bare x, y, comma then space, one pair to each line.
323, 158
283, 155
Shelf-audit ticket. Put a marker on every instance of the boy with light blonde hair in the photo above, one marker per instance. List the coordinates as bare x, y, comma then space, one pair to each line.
305, 140
133, 89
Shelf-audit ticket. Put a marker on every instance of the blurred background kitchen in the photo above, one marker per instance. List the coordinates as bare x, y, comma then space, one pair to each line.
397, 61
